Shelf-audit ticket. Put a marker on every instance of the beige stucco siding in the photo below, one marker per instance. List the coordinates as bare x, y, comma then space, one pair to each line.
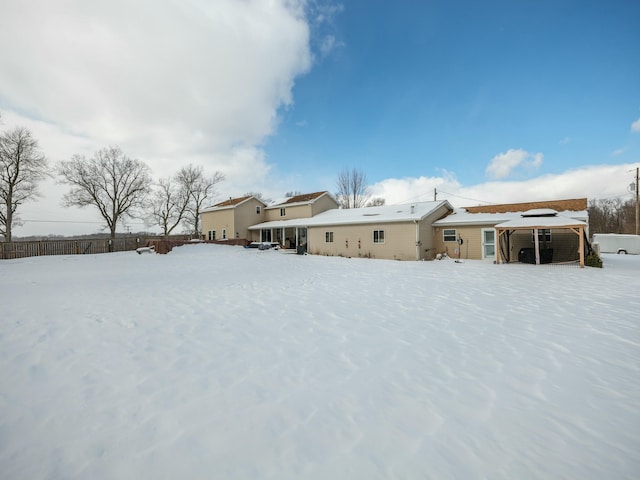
246, 216
236, 220
428, 248
217, 221
323, 204
472, 237
357, 241
290, 213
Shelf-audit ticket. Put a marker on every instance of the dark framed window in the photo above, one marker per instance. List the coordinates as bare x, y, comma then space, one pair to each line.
449, 234
378, 236
282, 212
212, 234
258, 209
328, 237
544, 235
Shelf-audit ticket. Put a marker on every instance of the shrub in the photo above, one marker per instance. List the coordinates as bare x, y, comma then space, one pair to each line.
593, 260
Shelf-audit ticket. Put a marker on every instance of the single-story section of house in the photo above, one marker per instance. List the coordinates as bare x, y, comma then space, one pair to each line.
397, 232
535, 232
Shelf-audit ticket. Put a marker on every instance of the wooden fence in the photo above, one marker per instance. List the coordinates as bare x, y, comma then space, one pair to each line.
37, 248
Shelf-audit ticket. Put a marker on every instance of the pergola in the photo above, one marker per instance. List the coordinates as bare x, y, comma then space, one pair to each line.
540, 220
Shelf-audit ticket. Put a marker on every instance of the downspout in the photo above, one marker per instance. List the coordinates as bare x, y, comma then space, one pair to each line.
417, 239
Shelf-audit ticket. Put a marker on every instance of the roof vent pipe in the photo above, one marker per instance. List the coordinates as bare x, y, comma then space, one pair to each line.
413, 209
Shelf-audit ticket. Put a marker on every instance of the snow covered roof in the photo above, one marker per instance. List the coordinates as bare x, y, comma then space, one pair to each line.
350, 216
231, 203
303, 199
463, 217
558, 221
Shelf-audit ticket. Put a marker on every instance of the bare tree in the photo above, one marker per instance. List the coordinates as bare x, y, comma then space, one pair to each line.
168, 204
110, 181
200, 188
353, 191
376, 202
259, 196
611, 215
22, 167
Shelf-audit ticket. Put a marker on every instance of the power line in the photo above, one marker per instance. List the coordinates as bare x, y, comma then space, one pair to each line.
467, 198
75, 221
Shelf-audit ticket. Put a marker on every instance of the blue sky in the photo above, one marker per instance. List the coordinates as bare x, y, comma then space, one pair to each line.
486, 101
421, 86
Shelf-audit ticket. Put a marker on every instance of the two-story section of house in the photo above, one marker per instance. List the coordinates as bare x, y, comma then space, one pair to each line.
232, 218
284, 221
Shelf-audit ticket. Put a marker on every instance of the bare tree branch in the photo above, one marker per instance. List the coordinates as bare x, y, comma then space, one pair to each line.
168, 204
376, 202
22, 167
200, 188
353, 191
112, 182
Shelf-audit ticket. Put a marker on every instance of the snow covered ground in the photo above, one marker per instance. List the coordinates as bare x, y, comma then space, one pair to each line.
225, 363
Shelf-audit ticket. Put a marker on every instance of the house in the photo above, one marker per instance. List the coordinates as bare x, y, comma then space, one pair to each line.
301, 206
398, 232
232, 218
516, 232
277, 226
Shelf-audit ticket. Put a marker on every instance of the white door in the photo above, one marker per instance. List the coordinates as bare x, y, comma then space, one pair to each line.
488, 244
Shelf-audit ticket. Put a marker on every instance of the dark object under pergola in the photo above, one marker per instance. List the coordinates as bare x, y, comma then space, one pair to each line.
536, 220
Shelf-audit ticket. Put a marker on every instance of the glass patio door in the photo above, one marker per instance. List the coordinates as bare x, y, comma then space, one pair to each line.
488, 244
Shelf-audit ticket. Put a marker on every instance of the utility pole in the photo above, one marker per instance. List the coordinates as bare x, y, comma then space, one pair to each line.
435, 196
637, 203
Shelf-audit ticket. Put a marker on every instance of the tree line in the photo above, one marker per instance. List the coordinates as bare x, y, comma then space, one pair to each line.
118, 186
612, 215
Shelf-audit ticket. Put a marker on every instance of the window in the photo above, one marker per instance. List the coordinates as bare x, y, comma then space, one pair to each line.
378, 236
212, 234
282, 212
224, 234
258, 209
328, 237
449, 235
544, 235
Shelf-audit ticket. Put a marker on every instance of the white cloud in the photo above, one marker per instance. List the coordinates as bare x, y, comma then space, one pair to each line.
190, 80
635, 126
504, 164
599, 181
172, 83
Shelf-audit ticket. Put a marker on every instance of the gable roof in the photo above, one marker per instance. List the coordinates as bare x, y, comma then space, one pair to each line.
305, 198
366, 215
571, 205
231, 203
